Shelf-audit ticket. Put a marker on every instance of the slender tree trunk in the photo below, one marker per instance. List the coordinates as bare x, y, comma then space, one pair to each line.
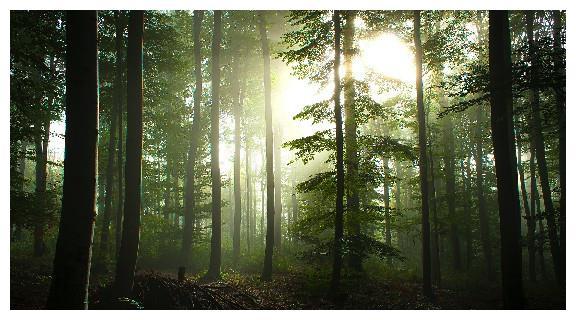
267, 270
128, 254
237, 184
530, 221
350, 141
189, 186
167, 187
71, 272
120, 26
426, 275
105, 230
536, 135
215, 243
505, 159
560, 92
339, 217
278, 188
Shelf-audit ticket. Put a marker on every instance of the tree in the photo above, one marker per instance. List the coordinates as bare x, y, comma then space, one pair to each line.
422, 162
215, 243
350, 138
237, 185
339, 217
71, 272
117, 109
267, 270
126, 263
505, 158
120, 26
538, 139
189, 196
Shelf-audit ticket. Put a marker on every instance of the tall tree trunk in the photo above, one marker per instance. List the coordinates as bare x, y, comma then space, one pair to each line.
126, 264
560, 92
350, 141
120, 26
267, 270
215, 243
167, 187
530, 220
105, 230
505, 159
237, 184
339, 217
536, 135
426, 275
189, 186
278, 188
71, 272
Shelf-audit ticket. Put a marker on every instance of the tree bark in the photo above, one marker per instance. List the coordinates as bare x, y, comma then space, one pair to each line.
426, 275
105, 231
536, 135
350, 142
505, 159
120, 26
339, 216
215, 243
71, 272
560, 92
128, 254
267, 270
449, 172
387, 216
41, 144
530, 220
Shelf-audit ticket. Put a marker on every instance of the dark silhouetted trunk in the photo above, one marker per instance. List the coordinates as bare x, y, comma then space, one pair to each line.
505, 159
423, 163
126, 263
536, 135
267, 270
339, 217
215, 243
560, 92
530, 220
350, 142
120, 26
189, 187
105, 230
248, 195
71, 272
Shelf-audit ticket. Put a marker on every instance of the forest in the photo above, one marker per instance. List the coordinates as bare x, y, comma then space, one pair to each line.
307, 159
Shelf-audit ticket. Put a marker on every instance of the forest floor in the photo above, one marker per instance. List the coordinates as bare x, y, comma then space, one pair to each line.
29, 285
